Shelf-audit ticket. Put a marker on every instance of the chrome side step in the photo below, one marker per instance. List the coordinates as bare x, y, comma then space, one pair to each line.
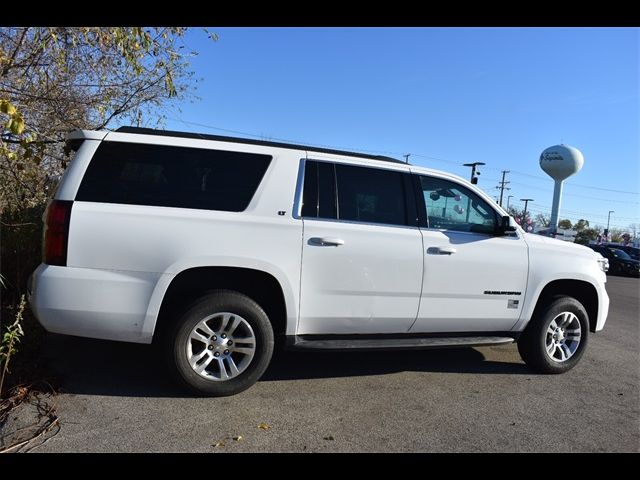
300, 343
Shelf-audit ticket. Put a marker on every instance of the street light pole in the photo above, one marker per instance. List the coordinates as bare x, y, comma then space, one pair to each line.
474, 178
524, 215
606, 232
509, 198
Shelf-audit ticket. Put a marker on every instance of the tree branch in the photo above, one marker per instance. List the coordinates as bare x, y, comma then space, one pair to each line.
7, 67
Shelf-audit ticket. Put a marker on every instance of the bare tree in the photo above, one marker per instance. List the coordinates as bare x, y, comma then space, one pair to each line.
543, 219
55, 79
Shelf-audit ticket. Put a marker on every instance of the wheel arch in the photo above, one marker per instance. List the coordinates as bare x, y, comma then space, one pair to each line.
583, 291
192, 283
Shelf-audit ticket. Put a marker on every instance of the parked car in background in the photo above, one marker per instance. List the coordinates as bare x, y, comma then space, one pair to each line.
630, 250
620, 262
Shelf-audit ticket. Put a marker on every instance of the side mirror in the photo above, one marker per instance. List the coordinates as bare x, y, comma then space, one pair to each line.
505, 226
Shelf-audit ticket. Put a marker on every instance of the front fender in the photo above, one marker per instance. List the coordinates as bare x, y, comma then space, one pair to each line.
533, 295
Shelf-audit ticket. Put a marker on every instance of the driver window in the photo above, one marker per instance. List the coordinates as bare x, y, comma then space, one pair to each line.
453, 207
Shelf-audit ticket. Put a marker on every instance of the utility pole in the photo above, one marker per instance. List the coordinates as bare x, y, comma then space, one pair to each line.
606, 232
406, 157
508, 199
524, 215
474, 178
502, 184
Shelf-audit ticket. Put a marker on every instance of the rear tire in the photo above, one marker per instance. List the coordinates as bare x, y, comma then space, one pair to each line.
556, 337
221, 345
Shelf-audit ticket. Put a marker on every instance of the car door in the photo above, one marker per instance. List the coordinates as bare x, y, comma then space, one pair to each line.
362, 250
474, 280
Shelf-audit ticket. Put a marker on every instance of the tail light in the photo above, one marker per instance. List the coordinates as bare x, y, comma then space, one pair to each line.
56, 232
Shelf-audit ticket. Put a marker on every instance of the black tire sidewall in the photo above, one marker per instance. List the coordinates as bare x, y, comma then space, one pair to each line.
533, 347
221, 301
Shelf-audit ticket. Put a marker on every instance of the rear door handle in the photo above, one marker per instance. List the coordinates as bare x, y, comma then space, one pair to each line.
441, 250
326, 241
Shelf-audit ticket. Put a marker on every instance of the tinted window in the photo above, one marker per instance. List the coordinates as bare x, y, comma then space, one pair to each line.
370, 195
310, 190
172, 176
453, 207
619, 253
319, 194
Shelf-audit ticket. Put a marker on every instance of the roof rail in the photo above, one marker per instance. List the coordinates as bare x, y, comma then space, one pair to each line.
221, 138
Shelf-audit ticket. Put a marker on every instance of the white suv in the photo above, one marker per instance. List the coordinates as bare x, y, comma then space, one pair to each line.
215, 247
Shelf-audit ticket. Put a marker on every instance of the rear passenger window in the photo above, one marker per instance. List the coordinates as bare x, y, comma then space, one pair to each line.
370, 195
167, 176
319, 191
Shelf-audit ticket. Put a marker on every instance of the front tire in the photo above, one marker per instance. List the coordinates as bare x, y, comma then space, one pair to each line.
556, 337
221, 345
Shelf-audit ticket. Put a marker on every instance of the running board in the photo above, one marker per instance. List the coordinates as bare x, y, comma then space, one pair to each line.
300, 343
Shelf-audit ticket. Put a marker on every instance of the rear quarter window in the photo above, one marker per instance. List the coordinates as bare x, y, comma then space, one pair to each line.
167, 176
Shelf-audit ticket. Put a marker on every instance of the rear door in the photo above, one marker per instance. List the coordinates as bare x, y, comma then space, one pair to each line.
362, 251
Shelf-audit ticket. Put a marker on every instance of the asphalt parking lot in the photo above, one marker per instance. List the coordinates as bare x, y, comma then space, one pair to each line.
464, 400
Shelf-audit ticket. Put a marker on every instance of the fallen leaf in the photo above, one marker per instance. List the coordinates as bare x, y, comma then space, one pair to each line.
238, 438
264, 426
217, 444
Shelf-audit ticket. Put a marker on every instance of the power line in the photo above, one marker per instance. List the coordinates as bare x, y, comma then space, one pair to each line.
605, 200
457, 164
578, 195
577, 212
573, 184
538, 208
581, 185
450, 162
285, 140
301, 142
546, 208
429, 157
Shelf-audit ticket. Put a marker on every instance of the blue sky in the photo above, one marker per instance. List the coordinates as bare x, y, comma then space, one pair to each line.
448, 96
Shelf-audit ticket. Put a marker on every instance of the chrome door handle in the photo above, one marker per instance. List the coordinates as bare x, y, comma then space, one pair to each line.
441, 250
326, 241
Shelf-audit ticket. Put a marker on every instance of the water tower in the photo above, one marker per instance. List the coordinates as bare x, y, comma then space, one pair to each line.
560, 162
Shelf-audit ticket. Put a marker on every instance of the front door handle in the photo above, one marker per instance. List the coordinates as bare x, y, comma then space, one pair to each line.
441, 250
326, 241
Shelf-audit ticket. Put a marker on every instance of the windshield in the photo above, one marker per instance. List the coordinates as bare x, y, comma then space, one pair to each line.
620, 254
